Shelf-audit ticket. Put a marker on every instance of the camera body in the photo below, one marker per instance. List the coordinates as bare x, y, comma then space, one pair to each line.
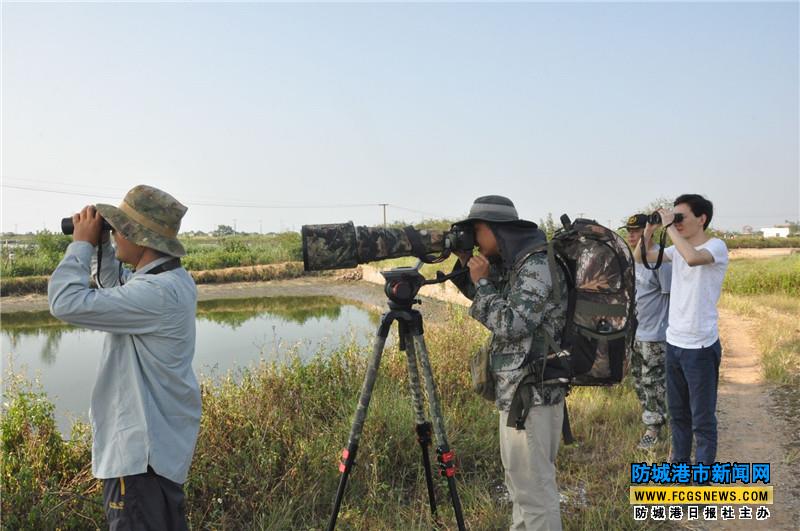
655, 218
460, 238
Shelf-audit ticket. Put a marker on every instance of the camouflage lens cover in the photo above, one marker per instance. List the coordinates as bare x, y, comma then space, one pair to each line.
343, 245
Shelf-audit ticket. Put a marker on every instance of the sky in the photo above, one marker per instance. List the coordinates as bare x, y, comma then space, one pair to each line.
272, 116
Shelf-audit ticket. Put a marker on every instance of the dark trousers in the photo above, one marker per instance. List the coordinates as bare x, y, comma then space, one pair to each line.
692, 379
144, 502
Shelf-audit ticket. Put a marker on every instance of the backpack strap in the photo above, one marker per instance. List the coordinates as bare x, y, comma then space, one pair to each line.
555, 281
521, 401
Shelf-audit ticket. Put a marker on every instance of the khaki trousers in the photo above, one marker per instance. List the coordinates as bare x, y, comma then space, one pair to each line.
529, 459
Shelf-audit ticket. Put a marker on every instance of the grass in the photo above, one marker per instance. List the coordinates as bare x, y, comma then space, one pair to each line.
759, 242
40, 255
23, 285
271, 436
777, 332
254, 273
239, 251
779, 275
766, 291
25, 269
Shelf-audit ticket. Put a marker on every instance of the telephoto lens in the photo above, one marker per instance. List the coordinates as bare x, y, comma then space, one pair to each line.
67, 227
342, 245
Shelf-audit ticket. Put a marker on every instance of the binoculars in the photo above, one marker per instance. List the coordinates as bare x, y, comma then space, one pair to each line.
67, 227
655, 218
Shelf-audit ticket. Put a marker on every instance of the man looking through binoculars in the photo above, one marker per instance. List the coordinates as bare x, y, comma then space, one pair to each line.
694, 353
511, 291
145, 408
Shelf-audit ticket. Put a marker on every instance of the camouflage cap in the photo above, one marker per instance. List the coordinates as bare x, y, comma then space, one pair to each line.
148, 217
495, 209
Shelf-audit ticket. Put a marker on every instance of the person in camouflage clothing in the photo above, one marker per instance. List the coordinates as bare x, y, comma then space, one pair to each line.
511, 292
648, 357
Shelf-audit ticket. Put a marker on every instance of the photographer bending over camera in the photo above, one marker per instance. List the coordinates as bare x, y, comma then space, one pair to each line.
511, 292
145, 409
693, 348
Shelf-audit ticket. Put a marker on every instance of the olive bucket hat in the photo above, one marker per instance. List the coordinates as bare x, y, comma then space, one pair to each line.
148, 217
496, 209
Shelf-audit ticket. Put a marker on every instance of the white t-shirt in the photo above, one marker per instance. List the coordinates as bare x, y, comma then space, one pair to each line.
695, 291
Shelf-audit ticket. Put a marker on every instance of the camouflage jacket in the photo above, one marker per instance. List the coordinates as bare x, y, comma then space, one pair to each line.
517, 307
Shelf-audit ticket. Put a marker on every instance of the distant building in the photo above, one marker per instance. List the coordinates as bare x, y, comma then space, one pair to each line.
775, 232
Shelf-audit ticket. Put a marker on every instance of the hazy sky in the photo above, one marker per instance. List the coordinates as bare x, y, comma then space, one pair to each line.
578, 108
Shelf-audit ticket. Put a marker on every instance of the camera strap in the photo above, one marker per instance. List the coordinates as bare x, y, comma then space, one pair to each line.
99, 263
662, 243
417, 247
169, 265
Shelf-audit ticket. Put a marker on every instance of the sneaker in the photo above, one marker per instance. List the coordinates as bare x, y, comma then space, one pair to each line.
648, 441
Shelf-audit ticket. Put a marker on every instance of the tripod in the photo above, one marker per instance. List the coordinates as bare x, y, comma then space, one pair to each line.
401, 287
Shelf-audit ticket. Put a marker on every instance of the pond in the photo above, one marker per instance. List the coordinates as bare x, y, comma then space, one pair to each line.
231, 333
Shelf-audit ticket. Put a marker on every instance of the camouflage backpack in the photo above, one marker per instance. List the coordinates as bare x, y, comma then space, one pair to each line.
600, 322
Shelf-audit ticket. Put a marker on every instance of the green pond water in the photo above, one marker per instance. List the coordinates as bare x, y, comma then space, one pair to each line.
231, 334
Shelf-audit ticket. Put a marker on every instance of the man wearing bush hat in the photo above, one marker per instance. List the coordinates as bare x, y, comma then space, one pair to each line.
145, 407
511, 291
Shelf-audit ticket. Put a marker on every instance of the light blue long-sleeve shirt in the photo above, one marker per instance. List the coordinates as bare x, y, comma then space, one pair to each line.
145, 407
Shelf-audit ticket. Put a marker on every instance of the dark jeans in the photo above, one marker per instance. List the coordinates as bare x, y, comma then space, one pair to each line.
692, 378
144, 502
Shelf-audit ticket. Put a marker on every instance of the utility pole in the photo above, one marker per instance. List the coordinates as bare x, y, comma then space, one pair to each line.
234, 226
260, 227
384, 205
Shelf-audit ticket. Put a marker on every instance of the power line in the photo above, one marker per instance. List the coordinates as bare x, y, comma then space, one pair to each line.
414, 211
198, 203
57, 191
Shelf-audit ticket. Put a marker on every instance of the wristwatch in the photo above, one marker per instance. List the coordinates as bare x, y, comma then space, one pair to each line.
483, 282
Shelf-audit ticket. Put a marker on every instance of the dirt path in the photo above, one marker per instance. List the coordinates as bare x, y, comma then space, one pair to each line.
761, 253
749, 431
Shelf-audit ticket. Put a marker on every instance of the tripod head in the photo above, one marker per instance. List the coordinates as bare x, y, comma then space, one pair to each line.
403, 284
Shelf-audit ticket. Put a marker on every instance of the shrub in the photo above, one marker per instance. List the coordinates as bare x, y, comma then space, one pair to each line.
44, 478
759, 242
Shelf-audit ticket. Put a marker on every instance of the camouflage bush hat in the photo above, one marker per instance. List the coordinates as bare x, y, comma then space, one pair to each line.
636, 221
496, 209
148, 217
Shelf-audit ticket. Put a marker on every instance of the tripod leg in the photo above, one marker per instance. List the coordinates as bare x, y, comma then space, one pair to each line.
349, 454
445, 454
423, 426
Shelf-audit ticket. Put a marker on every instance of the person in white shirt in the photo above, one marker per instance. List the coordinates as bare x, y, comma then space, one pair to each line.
145, 409
699, 263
